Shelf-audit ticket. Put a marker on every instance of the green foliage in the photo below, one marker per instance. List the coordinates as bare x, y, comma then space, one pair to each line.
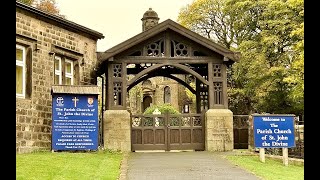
270, 36
190, 95
163, 108
136, 92
27, 2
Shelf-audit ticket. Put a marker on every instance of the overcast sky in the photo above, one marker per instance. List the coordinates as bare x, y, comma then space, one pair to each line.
117, 20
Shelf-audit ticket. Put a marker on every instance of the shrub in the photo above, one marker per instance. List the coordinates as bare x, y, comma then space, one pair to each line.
163, 108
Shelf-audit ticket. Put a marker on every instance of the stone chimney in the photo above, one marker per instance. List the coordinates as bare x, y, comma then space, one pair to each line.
150, 19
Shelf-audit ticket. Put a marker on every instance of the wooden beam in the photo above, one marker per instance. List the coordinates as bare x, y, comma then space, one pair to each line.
124, 86
180, 66
198, 102
151, 59
162, 73
224, 86
109, 98
211, 89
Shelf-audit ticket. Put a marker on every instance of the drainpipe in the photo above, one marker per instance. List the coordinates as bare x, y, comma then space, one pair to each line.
102, 110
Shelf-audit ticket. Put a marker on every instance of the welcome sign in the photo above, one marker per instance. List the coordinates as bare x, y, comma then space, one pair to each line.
273, 131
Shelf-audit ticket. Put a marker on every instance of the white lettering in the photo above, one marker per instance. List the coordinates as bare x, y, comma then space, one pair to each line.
279, 144
265, 131
279, 131
282, 137
270, 119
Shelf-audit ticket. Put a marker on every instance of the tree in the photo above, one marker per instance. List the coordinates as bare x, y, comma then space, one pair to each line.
269, 35
27, 2
220, 21
48, 6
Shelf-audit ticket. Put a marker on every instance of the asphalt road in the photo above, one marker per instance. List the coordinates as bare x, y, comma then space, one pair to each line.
183, 166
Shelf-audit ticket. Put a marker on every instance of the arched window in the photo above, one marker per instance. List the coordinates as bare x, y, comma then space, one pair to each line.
167, 95
147, 100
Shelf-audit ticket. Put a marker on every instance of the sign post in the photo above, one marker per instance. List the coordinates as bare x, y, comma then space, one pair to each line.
274, 131
74, 118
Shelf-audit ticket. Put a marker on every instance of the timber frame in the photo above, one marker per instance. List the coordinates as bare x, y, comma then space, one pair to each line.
165, 50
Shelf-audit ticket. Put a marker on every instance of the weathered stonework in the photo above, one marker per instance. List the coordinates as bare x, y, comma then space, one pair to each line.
178, 95
33, 113
219, 130
117, 130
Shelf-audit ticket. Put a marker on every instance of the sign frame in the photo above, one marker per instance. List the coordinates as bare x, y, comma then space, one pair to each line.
75, 118
276, 127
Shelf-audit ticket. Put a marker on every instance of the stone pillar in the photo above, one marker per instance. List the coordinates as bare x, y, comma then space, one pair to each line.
251, 134
116, 130
219, 130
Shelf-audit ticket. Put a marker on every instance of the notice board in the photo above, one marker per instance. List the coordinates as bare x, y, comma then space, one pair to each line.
75, 124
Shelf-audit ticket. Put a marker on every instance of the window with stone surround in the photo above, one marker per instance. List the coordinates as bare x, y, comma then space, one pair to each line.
20, 71
24, 53
63, 71
167, 95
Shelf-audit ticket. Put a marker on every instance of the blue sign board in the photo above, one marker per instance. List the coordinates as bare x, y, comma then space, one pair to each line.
273, 131
74, 122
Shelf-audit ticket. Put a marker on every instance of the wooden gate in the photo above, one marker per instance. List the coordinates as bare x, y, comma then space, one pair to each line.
167, 132
240, 131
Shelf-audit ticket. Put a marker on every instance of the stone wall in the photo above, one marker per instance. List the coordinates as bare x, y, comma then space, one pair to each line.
33, 113
159, 93
178, 94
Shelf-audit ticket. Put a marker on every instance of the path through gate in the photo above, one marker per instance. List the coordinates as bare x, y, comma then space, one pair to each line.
167, 132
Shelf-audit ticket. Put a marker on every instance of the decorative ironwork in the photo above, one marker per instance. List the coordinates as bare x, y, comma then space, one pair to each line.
217, 92
117, 92
217, 70
116, 70
155, 48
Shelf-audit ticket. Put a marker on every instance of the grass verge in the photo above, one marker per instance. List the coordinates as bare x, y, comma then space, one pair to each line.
270, 170
66, 165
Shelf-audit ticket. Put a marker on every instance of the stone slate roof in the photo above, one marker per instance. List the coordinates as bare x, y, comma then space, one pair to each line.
75, 89
59, 20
